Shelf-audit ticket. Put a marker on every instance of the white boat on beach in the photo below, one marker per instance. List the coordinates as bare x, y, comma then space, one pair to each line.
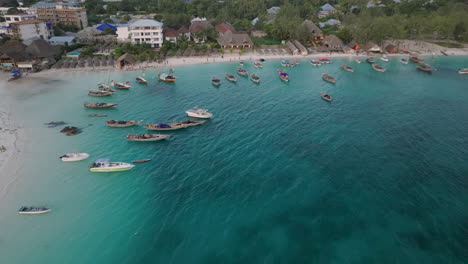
104, 165
74, 156
199, 113
33, 210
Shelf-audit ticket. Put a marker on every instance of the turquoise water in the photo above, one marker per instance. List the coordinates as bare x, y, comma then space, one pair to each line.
379, 175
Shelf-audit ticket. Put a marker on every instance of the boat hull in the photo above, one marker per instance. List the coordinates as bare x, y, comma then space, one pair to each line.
82, 156
35, 213
115, 169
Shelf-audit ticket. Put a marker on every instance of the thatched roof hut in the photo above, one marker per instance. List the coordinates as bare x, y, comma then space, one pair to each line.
40, 48
124, 60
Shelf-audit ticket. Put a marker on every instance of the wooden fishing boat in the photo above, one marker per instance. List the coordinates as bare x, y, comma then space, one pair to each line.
326, 97
99, 105
97, 115
258, 64
231, 77
328, 78
347, 68
141, 161
378, 68
242, 72
147, 137
370, 60
99, 93
316, 62
215, 81
283, 76
463, 71
254, 78
122, 123
416, 59
120, 85
140, 79
174, 126
425, 68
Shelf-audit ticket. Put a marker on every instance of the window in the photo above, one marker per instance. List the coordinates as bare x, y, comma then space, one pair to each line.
16, 18
156, 33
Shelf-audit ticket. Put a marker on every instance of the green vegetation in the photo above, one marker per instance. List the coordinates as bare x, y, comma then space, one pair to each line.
448, 44
60, 29
265, 41
141, 52
13, 11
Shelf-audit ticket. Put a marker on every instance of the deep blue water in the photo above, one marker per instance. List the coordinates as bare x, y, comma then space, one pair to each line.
379, 175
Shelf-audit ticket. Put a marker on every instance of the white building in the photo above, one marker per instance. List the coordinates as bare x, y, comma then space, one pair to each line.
18, 18
142, 31
29, 29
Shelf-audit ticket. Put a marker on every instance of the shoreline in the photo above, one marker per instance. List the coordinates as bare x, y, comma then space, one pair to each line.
185, 61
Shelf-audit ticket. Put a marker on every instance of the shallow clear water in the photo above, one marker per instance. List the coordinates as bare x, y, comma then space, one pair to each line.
277, 176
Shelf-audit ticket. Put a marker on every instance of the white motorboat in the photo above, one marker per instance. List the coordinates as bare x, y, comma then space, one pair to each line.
463, 71
357, 59
33, 210
104, 165
198, 113
75, 156
384, 58
404, 61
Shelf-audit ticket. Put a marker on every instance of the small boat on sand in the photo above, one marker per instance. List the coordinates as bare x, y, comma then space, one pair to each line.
384, 58
122, 123
378, 68
242, 72
258, 64
33, 210
141, 161
326, 97
416, 59
97, 115
15, 75
199, 113
283, 75
74, 156
425, 67
99, 105
255, 78
328, 78
347, 68
167, 77
357, 59
325, 60
315, 63
147, 137
174, 126
120, 85
99, 93
231, 77
404, 61
463, 71
215, 81
370, 60
104, 165
140, 79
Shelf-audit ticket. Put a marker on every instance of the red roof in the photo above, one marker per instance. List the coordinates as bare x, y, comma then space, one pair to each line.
222, 28
171, 33
30, 21
183, 30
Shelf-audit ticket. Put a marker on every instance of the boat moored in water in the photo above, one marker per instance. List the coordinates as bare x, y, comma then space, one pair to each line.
199, 113
255, 78
122, 123
174, 125
378, 68
325, 60
357, 59
463, 71
316, 63
403, 61
105, 165
326, 97
284, 76
97, 115
147, 137
425, 67
100, 93
105, 87
74, 156
328, 78
347, 68
231, 77
120, 85
99, 105
33, 210
416, 59
140, 79
242, 72
258, 64
167, 77
215, 81
141, 161
370, 60
384, 58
